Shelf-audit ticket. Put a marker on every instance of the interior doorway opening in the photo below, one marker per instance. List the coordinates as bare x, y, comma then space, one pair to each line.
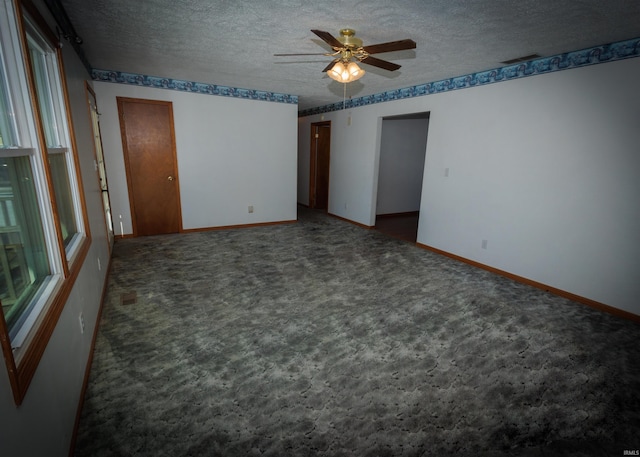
403, 146
319, 163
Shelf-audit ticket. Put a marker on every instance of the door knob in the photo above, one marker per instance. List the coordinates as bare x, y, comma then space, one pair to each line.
170, 178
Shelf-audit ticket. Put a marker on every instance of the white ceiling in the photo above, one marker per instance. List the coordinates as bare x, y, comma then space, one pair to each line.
232, 42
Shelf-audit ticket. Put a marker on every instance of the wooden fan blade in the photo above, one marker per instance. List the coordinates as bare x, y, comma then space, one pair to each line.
390, 46
380, 63
330, 66
303, 54
328, 38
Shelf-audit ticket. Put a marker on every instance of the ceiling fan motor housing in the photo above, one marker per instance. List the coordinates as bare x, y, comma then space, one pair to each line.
349, 40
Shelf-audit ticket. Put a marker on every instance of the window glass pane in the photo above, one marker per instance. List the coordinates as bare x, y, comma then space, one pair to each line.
64, 199
24, 265
45, 97
7, 132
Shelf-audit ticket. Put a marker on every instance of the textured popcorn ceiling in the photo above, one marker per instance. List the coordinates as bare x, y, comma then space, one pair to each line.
232, 42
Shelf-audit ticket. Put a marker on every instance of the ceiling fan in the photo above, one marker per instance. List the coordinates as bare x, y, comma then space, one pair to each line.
348, 48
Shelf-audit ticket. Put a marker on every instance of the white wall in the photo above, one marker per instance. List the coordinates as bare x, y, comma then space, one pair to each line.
44, 423
545, 168
403, 144
232, 153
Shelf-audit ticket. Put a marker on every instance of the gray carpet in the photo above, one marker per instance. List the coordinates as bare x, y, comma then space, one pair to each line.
323, 338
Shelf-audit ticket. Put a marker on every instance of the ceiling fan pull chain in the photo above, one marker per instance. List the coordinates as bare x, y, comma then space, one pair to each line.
344, 95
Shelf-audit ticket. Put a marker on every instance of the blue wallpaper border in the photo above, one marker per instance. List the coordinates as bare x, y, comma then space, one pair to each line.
575, 59
189, 86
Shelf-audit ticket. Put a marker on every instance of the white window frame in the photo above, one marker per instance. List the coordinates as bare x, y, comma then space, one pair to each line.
24, 345
27, 145
62, 130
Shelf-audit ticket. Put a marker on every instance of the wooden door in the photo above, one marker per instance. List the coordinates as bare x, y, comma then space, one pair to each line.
320, 157
148, 140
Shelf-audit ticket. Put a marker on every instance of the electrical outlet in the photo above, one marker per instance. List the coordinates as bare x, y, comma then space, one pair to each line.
81, 319
251, 208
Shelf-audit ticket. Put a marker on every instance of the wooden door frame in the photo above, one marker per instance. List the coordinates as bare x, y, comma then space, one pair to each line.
125, 153
89, 92
313, 160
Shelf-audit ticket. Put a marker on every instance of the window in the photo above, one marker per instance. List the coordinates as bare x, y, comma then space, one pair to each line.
50, 103
7, 137
43, 236
23, 258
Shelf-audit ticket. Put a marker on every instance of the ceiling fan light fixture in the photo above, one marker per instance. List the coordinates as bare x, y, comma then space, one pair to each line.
345, 73
355, 71
338, 72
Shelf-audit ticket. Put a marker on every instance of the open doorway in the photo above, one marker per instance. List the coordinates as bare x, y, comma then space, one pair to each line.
320, 156
403, 145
